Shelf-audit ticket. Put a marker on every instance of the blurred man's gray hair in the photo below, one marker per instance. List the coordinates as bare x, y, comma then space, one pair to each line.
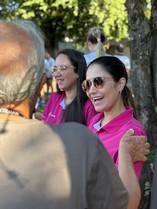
22, 56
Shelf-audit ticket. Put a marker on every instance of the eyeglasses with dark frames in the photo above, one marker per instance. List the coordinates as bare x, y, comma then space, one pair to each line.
98, 82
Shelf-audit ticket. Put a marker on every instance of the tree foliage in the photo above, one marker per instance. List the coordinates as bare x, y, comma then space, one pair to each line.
71, 18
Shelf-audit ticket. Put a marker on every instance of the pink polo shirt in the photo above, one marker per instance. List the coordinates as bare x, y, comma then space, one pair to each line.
111, 134
53, 109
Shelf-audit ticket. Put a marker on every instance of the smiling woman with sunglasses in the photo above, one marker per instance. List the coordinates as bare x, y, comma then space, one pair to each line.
106, 86
70, 103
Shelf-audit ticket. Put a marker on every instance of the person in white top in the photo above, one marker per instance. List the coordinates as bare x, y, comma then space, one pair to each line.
95, 41
119, 53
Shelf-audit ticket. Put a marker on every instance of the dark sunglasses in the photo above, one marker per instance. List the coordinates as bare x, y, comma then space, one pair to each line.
98, 83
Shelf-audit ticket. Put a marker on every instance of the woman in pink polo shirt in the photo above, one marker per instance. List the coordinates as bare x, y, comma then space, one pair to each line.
105, 85
70, 102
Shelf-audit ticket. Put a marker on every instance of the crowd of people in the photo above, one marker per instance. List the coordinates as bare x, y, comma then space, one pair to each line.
87, 148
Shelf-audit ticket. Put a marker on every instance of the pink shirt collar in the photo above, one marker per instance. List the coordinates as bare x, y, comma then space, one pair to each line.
115, 123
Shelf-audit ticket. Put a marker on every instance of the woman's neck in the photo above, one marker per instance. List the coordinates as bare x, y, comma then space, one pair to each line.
110, 115
70, 96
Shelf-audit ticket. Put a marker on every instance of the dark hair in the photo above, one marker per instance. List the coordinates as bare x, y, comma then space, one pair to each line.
120, 48
74, 111
117, 70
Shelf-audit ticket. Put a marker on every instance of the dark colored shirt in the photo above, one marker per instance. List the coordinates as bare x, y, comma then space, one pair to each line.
56, 167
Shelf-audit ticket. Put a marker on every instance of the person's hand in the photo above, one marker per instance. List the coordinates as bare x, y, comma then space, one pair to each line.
37, 115
137, 146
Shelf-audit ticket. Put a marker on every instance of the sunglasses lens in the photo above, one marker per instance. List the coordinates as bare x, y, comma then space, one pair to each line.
86, 85
98, 82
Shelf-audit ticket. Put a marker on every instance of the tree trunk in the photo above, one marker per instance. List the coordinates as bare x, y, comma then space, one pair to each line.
141, 72
153, 25
143, 51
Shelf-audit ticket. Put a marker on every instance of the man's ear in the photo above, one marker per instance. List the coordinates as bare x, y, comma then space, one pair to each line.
41, 84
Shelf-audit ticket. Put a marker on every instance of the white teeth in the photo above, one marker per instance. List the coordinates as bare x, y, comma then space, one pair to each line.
97, 98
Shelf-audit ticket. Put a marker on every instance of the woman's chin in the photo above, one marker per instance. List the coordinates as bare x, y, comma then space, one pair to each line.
98, 109
61, 88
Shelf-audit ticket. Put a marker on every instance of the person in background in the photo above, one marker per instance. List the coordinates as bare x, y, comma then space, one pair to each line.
119, 53
105, 85
49, 63
111, 49
41, 102
37, 159
95, 41
70, 102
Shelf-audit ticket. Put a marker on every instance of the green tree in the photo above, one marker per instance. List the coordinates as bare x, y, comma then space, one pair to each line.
72, 18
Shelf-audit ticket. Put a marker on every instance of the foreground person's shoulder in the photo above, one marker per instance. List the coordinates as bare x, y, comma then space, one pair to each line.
73, 129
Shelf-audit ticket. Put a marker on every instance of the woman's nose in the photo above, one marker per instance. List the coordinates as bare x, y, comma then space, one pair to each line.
92, 88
